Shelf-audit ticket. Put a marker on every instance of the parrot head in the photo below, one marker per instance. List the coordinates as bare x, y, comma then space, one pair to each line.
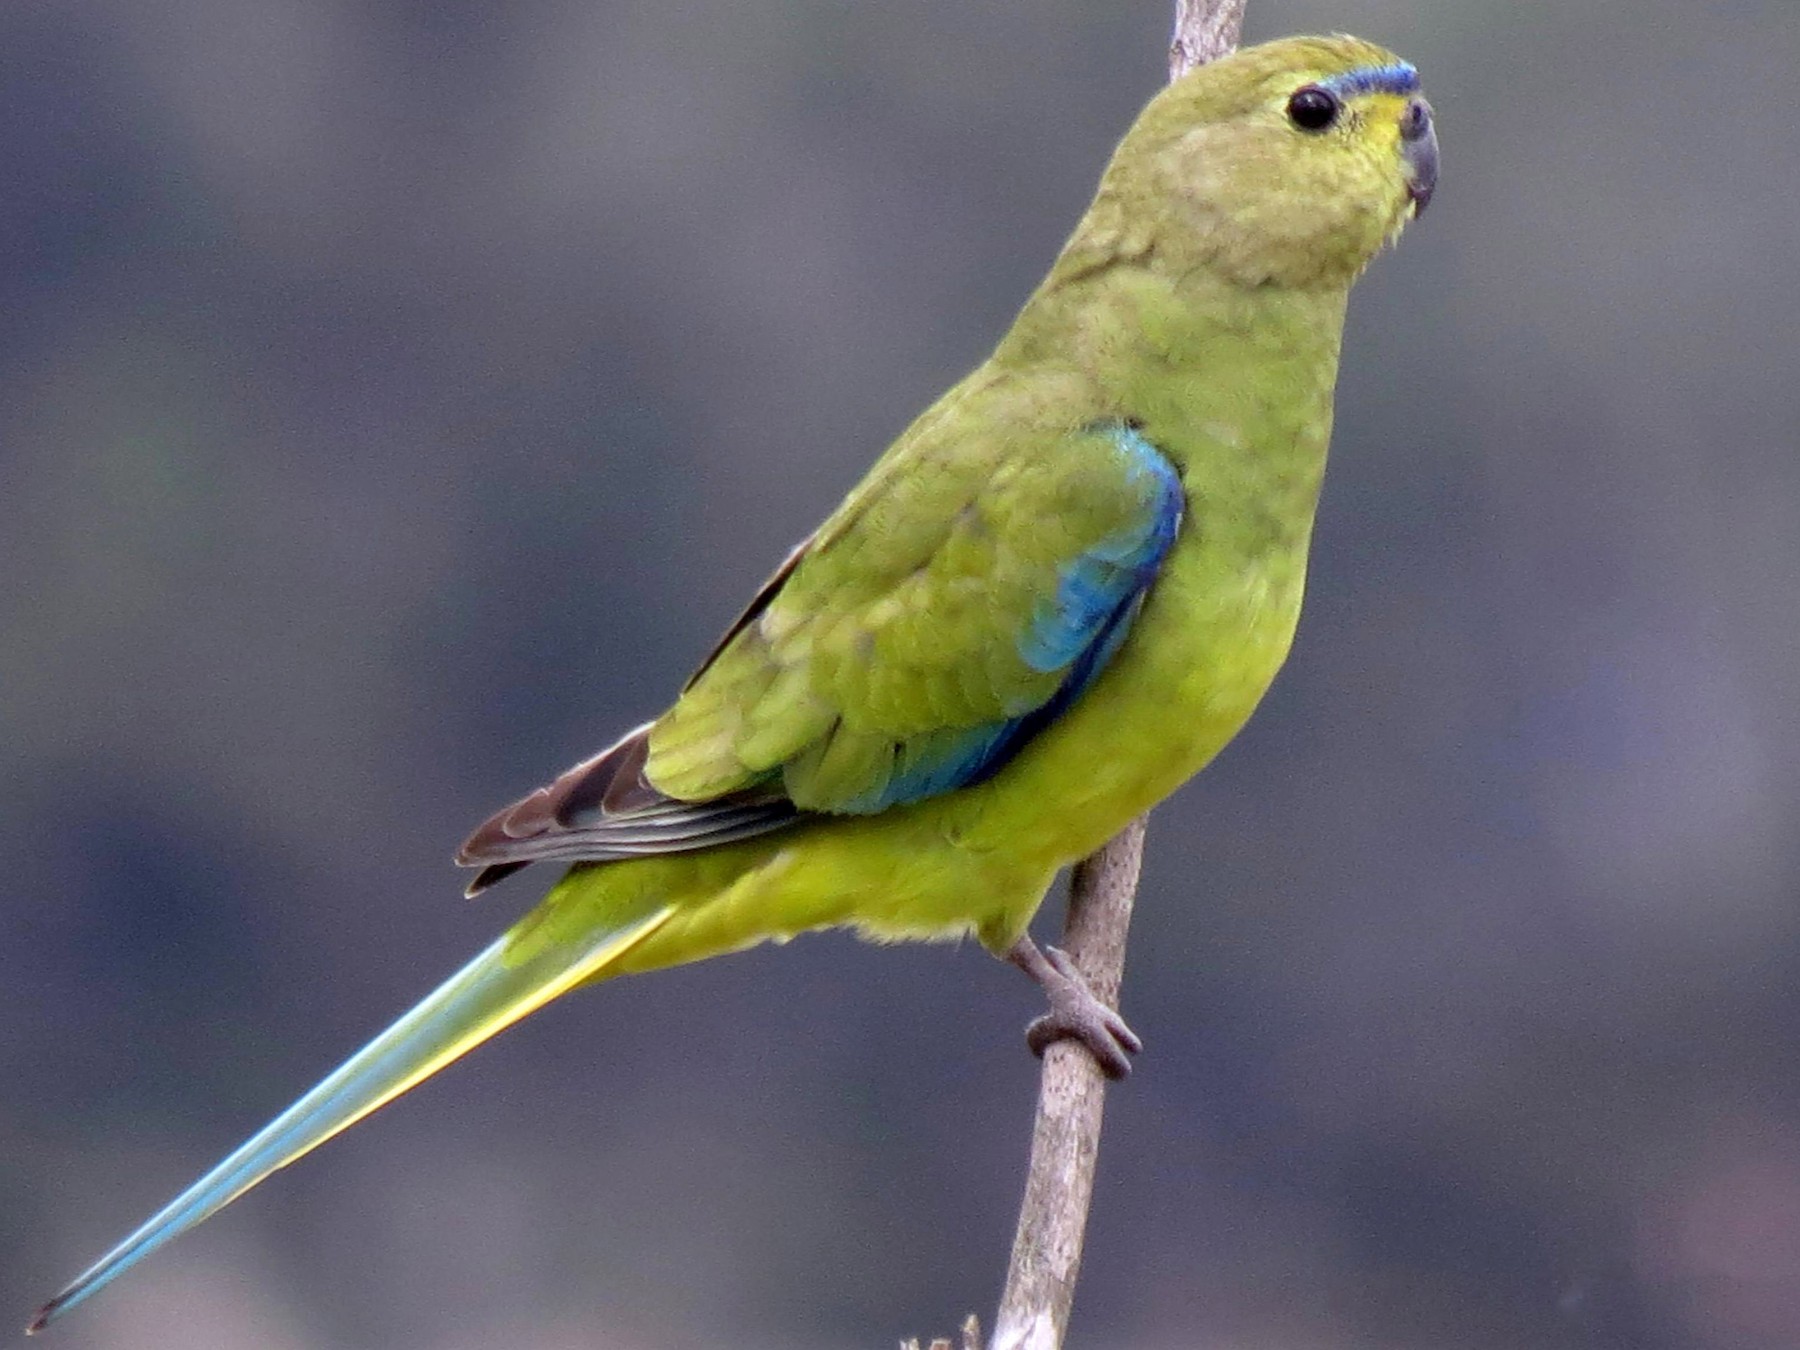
1290, 163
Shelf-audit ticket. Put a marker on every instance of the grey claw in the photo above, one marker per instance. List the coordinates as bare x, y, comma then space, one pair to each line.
1076, 1014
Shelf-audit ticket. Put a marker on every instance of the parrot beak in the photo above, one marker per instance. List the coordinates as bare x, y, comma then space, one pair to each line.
1419, 147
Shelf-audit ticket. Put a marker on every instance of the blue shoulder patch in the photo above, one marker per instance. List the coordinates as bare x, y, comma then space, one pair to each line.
1078, 630
1092, 587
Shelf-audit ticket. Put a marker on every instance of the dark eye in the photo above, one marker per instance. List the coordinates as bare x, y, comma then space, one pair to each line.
1313, 108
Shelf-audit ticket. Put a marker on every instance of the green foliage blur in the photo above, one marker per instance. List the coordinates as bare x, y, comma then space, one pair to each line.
396, 399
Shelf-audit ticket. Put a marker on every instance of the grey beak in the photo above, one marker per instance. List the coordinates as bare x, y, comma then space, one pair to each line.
1419, 147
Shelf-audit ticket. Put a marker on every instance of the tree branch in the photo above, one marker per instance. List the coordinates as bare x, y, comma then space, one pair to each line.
1065, 1138
1205, 30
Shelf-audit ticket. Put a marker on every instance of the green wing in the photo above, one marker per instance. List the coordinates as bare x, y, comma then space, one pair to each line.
956, 603
950, 609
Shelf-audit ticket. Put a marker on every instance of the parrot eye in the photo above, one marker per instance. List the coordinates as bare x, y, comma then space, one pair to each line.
1313, 108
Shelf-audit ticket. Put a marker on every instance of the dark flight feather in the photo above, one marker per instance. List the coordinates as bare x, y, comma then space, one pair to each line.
604, 809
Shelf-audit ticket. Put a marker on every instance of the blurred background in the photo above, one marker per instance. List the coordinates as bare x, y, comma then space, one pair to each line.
396, 398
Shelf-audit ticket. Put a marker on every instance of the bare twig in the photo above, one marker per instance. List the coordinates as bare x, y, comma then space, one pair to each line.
971, 1338
1065, 1139
1205, 30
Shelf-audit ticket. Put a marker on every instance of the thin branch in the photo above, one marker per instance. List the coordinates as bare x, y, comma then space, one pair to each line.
1065, 1138
1205, 30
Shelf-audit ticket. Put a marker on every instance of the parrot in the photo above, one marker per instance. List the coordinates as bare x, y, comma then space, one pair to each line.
1054, 599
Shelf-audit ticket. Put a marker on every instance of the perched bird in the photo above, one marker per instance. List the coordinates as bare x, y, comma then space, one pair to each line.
1053, 600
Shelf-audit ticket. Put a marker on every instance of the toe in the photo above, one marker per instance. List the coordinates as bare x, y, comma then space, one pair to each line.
1111, 1058
1128, 1039
1111, 1047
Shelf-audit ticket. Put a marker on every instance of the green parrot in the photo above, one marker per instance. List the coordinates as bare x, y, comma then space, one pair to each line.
1052, 601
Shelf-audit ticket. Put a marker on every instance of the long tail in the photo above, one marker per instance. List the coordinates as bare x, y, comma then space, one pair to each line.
507, 981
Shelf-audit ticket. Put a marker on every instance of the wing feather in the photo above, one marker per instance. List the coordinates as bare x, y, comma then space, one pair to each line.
949, 611
604, 808
911, 644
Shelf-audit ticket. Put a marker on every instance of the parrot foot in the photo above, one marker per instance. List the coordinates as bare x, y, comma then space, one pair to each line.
1075, 1012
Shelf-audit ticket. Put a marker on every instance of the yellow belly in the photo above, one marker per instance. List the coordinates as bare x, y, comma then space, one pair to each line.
1200, 658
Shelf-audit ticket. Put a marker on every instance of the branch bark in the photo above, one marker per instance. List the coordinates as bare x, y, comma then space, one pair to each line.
1205, 30
1065, 1138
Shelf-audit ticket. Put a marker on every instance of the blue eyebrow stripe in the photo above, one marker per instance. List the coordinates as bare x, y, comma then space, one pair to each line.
1399, 78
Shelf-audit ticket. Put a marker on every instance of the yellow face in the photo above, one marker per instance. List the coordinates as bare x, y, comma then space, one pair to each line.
1378, 115
1293, 162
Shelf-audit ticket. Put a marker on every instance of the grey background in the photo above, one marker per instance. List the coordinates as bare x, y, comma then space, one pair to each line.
397, 397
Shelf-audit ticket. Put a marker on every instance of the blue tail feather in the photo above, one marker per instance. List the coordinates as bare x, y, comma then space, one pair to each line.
493, 991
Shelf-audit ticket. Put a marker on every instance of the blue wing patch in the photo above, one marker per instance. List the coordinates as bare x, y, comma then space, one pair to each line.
1095, 586
1078, 629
